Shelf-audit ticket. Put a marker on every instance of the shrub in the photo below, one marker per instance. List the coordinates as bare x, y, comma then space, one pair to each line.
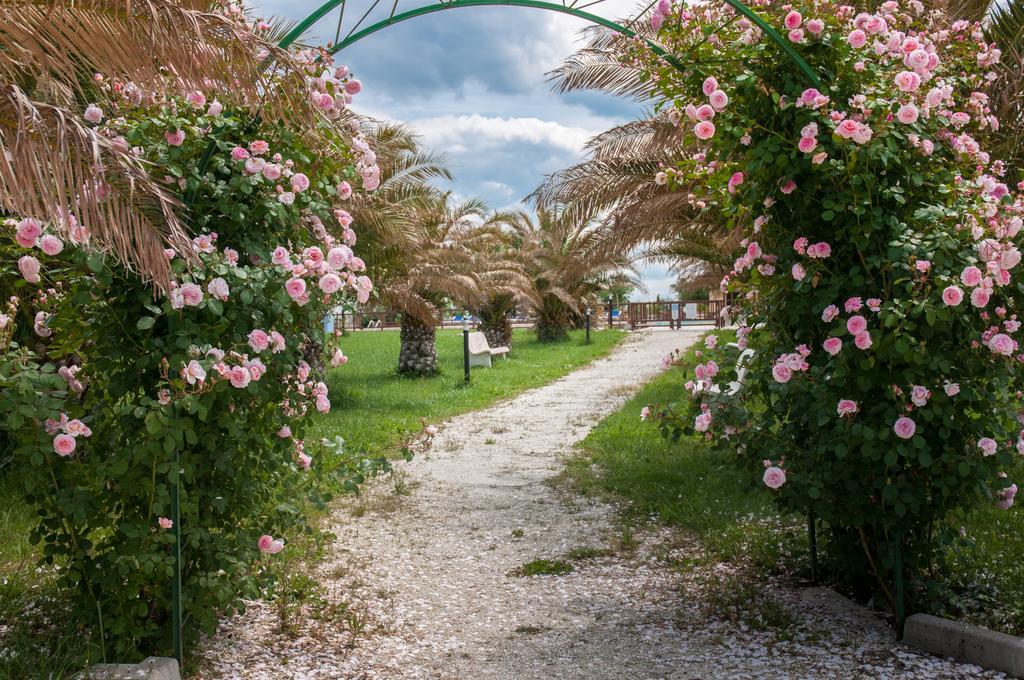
877, 278
112, 392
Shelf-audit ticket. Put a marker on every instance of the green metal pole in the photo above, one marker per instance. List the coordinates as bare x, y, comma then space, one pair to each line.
812, 537
319, 13
176, 583
900, 613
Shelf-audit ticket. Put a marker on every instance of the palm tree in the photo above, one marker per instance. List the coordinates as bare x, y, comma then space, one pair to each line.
558, 250
619, 178
55, 167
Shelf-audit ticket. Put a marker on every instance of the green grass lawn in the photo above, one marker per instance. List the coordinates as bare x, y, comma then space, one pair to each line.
372, 406
685, 485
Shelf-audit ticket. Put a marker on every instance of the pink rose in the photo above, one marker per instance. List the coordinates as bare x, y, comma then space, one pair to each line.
907, 114
919, 394
299, 182
782, 373
908, 81
254, 165
280, 256
952, 389
218, 288
285, 432
64, 445
793, 20
344, 191
29, 268
833, 346
709, 86
853, 304
857, 38
164, 523
191, 294
268, 544
259, 340
971, 276
51, 245
1001, 343
702, 422
952, 296
980, 297
856, 324
239, 376
93, 114
846, 406
988, 446
272, 171
874, 304
807, 144
829, 314
798, 272
295, 287
645, 413
239, 153
175, 138
862, 340
338, 358
258, 147
215, 108
330, 283
904, 428
816, 26
353, 87
718, 99
704, 129
774, 477
27, 233
193, 373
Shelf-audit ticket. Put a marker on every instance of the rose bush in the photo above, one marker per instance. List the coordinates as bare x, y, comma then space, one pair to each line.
109, 390
878, 283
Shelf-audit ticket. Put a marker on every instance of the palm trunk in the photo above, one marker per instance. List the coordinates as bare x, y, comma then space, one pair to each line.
418, 353
551, 330
498, 333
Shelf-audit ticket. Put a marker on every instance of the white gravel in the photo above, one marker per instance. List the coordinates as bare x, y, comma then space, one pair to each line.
421, 588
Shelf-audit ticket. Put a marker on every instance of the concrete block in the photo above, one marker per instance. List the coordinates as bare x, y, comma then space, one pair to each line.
153, 668
966, 643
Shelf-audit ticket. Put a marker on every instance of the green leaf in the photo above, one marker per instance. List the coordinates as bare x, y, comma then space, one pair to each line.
145, 323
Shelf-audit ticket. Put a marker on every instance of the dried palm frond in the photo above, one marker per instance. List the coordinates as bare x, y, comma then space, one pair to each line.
55, 168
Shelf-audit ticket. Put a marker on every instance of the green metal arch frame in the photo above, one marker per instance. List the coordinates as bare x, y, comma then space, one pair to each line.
750, 14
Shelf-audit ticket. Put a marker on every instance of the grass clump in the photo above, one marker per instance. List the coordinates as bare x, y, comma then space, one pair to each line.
543, 567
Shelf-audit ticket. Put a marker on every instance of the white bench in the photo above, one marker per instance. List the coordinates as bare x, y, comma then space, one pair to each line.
480, 352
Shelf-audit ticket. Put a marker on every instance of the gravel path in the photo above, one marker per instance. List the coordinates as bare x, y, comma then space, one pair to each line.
421, 581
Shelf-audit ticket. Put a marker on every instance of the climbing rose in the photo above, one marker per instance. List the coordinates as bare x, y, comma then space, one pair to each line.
830, 313
952, 389
239, 377
93, 114
833, 346
774, 477
645, 413
988, 446
164, 523
194, 373
295, 288
704, 129
268, 544
51, 245
330, 283
1001, 343
64, 445
856, 324
259, 340
782, 373
857, 38
344, 191
284, 432
299, 182
971, 276
904, 428
702, 422
862, 340
980, 297
846, 406
191, 294
175, 138
907, 114
952, 296
29, 268
218, 288
27, 233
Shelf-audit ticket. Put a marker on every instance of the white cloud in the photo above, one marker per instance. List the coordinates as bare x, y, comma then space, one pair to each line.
499, 187
479, 131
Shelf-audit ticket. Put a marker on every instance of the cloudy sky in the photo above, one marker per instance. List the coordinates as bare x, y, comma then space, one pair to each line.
472, 81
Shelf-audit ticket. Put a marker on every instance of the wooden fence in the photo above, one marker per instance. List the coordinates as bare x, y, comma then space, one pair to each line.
674, 313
